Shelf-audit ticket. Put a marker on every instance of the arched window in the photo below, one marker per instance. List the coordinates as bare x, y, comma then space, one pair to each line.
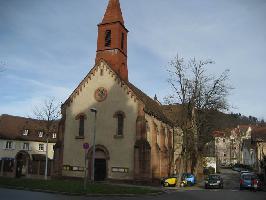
81, 117
120, 123
81, 125
108, 38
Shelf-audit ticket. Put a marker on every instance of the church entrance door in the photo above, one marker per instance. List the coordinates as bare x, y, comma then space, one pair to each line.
100, 169
100, 163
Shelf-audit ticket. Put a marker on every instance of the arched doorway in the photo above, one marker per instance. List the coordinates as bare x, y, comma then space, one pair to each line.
100, 164
22, 163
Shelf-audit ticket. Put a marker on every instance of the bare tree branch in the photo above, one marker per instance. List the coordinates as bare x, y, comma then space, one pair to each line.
49, 113
197, 92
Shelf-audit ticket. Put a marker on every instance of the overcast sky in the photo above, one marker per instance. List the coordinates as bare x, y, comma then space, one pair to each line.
48, 46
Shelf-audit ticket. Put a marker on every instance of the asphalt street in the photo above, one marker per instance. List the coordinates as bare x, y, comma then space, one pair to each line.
231, 179
7, 194
230, 192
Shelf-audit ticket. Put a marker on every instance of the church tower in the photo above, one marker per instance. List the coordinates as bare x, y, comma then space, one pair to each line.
112, 40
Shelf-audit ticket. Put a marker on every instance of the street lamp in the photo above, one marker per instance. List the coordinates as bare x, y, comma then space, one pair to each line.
46, 156
93, 110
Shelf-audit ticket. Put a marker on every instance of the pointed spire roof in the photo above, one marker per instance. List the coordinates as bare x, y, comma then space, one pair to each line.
113, 12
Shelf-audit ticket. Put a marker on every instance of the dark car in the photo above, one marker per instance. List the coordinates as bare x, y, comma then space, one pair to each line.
249, 181
214, 181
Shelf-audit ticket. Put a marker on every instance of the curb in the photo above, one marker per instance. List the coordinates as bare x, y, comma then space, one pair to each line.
82, 194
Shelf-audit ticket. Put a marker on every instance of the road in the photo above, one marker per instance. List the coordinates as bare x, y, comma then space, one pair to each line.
230, 192
231, 179
7, 194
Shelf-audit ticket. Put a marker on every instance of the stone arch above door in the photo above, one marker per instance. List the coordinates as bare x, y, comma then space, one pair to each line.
99, 148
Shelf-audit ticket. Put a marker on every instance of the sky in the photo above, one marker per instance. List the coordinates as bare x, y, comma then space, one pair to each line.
48, 46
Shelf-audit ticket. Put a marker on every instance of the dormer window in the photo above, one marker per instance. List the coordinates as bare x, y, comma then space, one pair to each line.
54, 135
40, 134
108, 38
25, 132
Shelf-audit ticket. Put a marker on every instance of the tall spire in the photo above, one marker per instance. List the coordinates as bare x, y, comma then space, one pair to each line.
113, 13
112, 40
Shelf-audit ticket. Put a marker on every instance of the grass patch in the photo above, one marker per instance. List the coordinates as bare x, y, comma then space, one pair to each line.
73, 186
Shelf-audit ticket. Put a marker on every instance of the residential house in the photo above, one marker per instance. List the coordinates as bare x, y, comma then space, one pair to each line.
23, 146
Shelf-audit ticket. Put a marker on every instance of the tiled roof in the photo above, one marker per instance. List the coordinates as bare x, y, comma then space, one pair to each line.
151, 106
12, 128
113, 12
219, 134
173, 112
259, 134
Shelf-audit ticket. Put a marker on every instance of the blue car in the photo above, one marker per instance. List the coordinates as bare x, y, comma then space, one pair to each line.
249, 181
188, 179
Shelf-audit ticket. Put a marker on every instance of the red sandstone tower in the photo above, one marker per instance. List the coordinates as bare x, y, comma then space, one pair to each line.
112, 40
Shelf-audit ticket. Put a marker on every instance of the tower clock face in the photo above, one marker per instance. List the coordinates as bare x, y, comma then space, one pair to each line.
100, 94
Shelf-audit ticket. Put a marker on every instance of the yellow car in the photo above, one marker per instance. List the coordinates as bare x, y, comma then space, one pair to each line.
169, 181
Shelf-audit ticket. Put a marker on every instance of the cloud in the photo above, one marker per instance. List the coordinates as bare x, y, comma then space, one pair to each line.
49, 46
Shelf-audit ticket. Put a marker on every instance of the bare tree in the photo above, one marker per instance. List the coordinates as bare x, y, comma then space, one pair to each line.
197, 93
49, 114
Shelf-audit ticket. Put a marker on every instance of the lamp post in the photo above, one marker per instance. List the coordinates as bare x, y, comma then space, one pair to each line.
93, 110
46, 157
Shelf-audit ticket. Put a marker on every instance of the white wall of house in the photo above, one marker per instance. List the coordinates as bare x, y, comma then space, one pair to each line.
11, 149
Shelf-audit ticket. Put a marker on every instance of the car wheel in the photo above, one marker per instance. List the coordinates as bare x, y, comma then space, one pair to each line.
165, 184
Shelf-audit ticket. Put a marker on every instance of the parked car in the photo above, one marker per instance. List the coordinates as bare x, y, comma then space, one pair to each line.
188, 179
170, 181
241, 167
245, 171
214, 181
250, 181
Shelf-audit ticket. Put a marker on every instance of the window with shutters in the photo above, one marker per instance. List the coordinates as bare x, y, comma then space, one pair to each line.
9, 144
26, 146
41, 147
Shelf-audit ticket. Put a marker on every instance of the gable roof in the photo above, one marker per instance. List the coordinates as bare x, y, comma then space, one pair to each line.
152, 107
12, 127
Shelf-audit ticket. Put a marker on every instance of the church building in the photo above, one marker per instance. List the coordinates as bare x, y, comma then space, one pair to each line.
135, 138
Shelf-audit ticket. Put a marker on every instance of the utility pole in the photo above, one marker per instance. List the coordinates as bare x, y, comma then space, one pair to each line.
46, 157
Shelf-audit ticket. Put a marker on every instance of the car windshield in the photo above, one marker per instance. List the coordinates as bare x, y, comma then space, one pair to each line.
185, 175
214, 177
249, 176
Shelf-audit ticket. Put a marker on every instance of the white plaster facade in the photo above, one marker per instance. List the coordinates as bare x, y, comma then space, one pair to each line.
18, 146
121, 150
